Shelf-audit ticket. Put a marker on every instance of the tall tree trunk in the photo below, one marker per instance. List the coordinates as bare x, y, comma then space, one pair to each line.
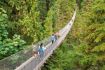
78, 3
47, 4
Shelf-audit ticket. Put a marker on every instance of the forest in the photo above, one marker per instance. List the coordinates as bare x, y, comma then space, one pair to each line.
84, 47
24, 22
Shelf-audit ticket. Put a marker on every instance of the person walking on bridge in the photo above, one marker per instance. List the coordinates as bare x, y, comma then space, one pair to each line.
34, 50
53, 38
41, 50
57, 35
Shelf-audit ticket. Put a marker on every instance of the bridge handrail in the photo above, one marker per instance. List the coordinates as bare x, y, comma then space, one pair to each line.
15, 60
34, 63
21, 58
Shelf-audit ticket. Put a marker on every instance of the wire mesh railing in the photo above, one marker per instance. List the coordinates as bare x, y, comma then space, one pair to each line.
34, 63
14, 61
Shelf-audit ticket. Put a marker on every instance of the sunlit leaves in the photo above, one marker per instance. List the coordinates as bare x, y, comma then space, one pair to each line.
8, 46
89, 35
99, 48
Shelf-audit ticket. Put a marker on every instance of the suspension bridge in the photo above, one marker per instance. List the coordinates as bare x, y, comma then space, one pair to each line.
24, 60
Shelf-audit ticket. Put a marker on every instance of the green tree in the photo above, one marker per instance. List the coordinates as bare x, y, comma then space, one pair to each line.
8, 46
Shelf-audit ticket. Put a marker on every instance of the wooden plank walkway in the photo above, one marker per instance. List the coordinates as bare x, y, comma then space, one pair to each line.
35, 63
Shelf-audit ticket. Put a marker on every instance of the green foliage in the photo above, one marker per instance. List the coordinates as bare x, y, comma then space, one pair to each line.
58, 15
8, 46
30, 20
85, 45
90, 31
